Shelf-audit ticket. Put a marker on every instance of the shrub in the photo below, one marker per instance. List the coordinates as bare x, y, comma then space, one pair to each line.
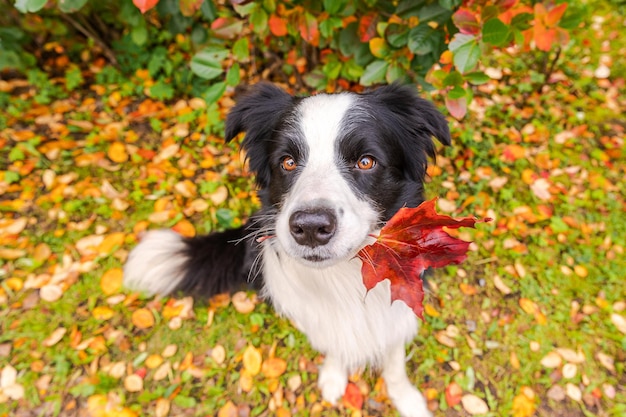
200, 47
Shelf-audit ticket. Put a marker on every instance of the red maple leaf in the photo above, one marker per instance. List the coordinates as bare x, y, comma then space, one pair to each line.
412, 241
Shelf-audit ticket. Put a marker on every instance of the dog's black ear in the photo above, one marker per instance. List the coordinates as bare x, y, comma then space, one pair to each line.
258, 113
412, 121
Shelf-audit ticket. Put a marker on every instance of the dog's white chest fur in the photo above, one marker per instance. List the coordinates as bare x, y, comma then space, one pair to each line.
332, 307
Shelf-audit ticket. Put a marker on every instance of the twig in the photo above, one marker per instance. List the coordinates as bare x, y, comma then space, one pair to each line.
91, 35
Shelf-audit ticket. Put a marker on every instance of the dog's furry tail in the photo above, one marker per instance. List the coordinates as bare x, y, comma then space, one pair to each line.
166, 263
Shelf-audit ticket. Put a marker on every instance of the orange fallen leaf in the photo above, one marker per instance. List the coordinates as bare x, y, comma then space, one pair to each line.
111, 281
185, 228
274, 367
117, 152
453, 394
228, 410
352, 397
142, 318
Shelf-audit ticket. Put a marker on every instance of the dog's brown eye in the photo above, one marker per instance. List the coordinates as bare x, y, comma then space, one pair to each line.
366, 162
288, 164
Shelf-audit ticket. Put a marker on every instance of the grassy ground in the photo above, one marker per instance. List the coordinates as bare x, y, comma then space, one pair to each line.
534, 323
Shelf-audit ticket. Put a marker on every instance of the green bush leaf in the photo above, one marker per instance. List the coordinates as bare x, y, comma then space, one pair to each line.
477, 78
207, 63
71, 6
232, 76
466, 52
496, 32
374, 73
421, 39
30, 6
139, 35
214, 92
241, 50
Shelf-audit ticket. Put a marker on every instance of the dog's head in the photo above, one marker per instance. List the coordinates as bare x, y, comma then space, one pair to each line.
334, 167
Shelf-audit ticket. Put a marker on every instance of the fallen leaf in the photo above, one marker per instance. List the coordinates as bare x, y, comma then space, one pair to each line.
133, 383
453, 394
619, 322
352, 397
569, 370
111, 242
551, 360
474, 405
274, 367
228, 410
523, 406
556, 393
573, 392
55, 337
252, 360
102, 313
218, 354
142, 318
242, 303
117, 152
50, 292
111, 281
162, 407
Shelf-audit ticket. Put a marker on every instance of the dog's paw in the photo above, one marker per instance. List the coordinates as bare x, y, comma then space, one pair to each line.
410, 402
332, 382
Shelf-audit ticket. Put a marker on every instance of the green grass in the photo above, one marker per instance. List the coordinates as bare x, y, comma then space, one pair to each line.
563, 254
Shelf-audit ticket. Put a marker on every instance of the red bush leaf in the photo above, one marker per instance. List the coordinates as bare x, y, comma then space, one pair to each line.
412, 241
466, 21
145, 5
278, 25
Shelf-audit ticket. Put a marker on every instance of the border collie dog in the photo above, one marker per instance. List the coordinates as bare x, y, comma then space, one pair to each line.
331, 169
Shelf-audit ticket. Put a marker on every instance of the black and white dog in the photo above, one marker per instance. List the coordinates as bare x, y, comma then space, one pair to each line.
331, 170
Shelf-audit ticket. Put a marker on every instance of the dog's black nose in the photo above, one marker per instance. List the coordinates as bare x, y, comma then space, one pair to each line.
313, 227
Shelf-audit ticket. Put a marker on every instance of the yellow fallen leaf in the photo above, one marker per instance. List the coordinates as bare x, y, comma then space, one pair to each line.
14, 283
117, 152
111, 281
110, 242
102, 313
523, 406
431, 311
154, 361
142, 318
529, 306
252, 360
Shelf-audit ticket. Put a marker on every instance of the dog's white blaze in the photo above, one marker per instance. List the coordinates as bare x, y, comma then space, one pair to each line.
319, 119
